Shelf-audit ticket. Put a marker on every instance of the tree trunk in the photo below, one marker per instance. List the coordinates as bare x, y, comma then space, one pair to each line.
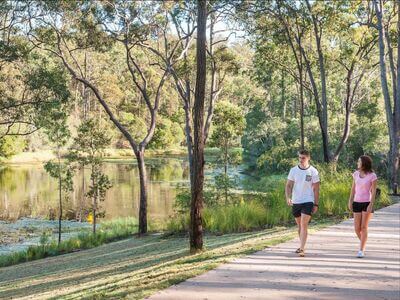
390, 114
143, 192
82, 201
94, 205
59, 197
323, 114
283, 100
226, 171
213, 82
396, 165
196, 226
188, 133
301, 104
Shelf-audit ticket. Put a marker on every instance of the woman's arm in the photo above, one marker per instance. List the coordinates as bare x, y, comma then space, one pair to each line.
351, 198
373, 194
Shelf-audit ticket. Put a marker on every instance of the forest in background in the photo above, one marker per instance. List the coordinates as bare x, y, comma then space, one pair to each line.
280, 76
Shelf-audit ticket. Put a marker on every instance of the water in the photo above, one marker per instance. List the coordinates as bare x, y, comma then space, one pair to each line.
28, 191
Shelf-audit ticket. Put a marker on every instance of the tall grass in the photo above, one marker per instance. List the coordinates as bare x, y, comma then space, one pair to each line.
269, 208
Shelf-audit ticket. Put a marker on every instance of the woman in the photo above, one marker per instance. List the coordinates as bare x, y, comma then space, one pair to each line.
362, 197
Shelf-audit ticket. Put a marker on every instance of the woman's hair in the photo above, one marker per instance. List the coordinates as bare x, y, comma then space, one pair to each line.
366, 163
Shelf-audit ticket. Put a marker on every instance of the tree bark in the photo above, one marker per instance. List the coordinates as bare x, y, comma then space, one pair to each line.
94, 204
301, 105
196, 226
59, 196
143, 192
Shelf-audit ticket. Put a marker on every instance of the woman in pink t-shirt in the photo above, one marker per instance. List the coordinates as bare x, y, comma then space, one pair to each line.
362, 197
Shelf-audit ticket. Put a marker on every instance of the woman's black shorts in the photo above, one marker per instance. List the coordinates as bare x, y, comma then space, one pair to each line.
360, 206
302, 208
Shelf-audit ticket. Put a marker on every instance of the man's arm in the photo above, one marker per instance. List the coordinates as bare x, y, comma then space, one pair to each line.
288, 191
315, 187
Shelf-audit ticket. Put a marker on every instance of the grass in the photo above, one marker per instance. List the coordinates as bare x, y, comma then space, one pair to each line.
269, 208
108, 232
132, 268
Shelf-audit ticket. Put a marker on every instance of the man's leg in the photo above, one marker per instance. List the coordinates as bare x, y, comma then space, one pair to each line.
298, 222
305, 219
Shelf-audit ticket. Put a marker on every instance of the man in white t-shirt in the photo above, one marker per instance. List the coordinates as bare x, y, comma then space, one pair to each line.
302, 193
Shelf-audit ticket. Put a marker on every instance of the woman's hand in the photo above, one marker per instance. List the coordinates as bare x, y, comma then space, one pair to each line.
370, 207
350, 206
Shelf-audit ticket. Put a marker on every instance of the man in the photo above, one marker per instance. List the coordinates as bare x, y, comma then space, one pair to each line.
302, 193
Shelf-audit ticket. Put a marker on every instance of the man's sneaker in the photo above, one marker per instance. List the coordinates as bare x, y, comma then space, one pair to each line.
360, 254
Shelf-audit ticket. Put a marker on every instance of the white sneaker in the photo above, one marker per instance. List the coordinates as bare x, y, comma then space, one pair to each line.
360, 254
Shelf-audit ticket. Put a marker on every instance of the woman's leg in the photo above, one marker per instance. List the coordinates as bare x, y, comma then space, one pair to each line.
357, 224
366, 217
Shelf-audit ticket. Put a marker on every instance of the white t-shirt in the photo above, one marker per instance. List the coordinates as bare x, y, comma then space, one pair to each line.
303, 180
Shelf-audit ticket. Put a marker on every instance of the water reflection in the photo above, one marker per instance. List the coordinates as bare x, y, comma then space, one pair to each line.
28, 191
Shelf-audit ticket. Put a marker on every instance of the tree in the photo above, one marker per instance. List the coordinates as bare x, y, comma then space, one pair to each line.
196, 226
88, 150
64, 28
228, 128
391, 98
58, 134
28, 80
306, 29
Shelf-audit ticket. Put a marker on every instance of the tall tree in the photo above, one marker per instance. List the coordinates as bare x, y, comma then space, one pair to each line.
67, 28
196, 225
391, 98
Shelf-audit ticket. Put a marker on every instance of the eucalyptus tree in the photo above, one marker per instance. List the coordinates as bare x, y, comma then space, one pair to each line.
196, 224
328, 40
67, 28
181, 25
385, 12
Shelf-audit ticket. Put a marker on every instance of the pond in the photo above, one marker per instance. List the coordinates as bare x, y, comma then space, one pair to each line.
28, 191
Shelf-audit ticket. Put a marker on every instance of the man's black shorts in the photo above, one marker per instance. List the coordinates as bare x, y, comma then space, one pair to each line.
303, 208
360, 206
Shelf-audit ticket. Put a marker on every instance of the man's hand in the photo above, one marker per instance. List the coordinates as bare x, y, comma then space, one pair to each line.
315, 209
289, 202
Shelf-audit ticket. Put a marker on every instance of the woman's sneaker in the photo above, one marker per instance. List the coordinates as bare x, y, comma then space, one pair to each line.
360, 254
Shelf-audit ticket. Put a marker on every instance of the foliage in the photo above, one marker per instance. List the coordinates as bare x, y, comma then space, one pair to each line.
88, 150
10, 145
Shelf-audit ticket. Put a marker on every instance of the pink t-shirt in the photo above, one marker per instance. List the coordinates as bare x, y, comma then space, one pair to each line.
363, 186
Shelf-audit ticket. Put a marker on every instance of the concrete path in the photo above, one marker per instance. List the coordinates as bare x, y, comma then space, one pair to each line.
330, 269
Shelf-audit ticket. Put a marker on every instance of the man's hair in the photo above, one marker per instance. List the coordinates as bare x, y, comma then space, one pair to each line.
304, 152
